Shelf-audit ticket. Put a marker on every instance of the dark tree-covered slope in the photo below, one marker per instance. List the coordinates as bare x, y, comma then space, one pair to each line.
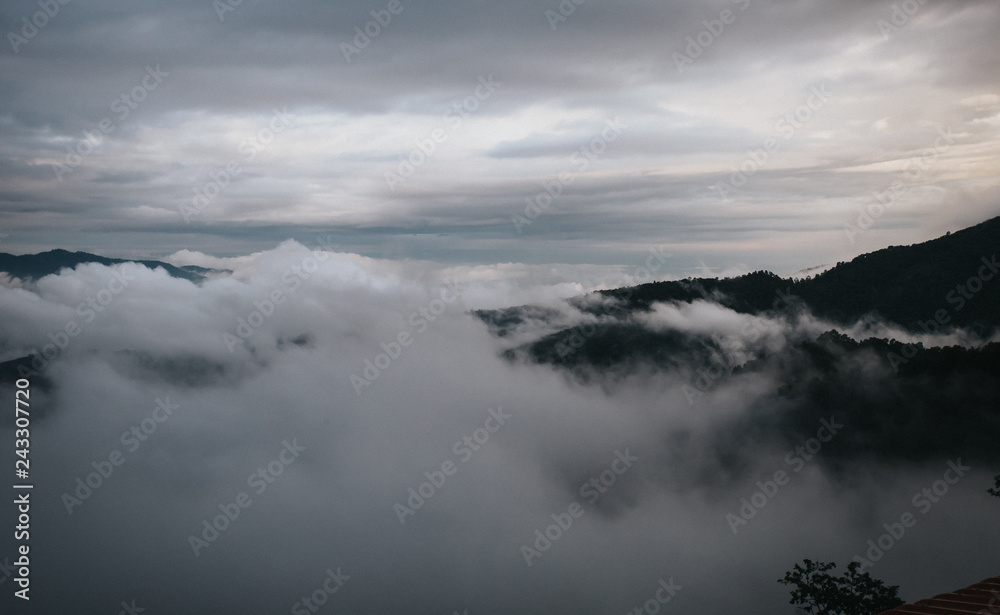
35, 266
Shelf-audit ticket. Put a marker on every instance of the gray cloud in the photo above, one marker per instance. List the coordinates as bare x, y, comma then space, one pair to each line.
132, 164
334, 505
356, 120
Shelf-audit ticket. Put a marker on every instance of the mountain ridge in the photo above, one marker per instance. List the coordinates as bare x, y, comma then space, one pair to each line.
36, 266
901, 401
904, 285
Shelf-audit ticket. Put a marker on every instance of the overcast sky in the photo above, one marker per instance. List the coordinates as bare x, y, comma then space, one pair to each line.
314, 119
346, 161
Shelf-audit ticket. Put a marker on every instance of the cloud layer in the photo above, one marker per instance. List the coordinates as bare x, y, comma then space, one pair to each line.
494, 452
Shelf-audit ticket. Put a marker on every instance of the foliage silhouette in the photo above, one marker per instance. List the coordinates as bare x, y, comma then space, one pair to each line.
853, 593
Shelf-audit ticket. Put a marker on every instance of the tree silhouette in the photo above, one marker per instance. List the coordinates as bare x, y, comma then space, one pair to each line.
853, 593
995, 492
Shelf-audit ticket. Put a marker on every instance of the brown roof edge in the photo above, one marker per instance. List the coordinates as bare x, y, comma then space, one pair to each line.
982, 598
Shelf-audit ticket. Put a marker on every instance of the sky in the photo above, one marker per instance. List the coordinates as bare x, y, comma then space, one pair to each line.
737, 135
362, 175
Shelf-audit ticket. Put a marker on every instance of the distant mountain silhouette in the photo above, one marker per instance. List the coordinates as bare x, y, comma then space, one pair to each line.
902, 401
905, 285
908, 284
35, 266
